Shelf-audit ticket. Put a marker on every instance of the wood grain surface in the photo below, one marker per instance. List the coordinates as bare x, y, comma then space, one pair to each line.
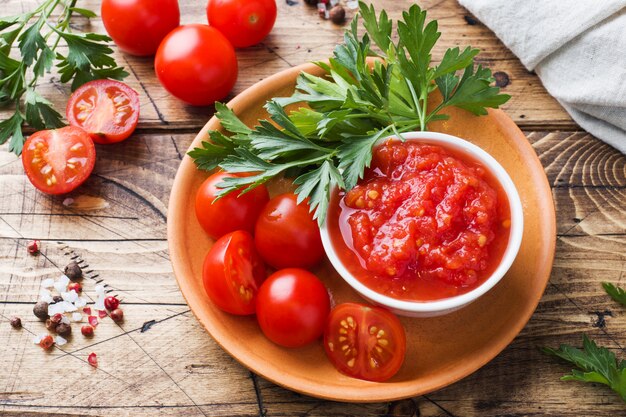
160, 361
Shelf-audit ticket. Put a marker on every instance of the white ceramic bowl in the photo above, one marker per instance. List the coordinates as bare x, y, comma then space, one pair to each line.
447, 305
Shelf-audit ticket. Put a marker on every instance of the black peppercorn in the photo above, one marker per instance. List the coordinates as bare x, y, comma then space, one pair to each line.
311, 2
73, 271
41, 310
57, 299
16, 322
337, 14
64, 329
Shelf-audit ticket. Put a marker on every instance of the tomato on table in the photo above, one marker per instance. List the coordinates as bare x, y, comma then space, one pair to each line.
365, 342
243, 22
232, 273
292, 307
196, 64
286, 235
106, 109
139, 26
234, 211
57, 161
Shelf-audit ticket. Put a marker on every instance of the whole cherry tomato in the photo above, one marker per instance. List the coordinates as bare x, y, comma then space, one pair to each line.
139, 26
196, 64
286, 234
231, 212
106, 109
57, 161
292, 307
243, 22
233, 272
364, 341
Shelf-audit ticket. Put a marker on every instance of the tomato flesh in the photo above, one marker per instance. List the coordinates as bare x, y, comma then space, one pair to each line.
107, 109
292, 307
232, 273
423, 224
365, 342
57, 161
243, 22
234, 211
286, 235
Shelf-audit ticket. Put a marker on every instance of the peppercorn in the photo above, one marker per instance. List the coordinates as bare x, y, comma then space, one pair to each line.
322, 11
338, 14
33, 247
87, 330
64, 329
57, 299
41, 310
311, 2
117, 315
76, 287
73, 271
51, 326
16, 322
46, 342
111, 303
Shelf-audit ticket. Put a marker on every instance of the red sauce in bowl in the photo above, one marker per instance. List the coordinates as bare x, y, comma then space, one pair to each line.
424, 224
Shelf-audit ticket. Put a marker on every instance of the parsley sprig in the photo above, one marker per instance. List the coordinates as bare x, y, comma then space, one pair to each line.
37, 36
328, 141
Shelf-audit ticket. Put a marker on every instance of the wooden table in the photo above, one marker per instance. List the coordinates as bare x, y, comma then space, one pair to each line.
160, 361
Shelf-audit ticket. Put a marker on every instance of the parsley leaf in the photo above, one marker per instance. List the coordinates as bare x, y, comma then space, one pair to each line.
38, 33
327, 142
616, 293
595, 364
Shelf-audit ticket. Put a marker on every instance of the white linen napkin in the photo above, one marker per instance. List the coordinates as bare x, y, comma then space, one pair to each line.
576, 47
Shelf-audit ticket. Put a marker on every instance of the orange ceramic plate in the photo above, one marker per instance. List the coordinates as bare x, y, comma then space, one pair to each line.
440, 350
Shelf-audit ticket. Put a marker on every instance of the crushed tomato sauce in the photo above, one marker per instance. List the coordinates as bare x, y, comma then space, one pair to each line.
425, 223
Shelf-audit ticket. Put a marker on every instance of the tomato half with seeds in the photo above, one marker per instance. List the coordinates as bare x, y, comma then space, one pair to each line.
59, 160
106, 109
365, 342
233, 272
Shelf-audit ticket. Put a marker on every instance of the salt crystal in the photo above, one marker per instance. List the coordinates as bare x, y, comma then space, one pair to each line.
61, 284
68, 307
80, 302
56, 308
47, 283
99, 305
65, 320
38, 338
100, 289
77, 317
70, 296
44, 295
60, 341
352, 4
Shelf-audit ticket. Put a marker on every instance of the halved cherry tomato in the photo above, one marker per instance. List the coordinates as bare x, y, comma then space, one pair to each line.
292, 307
57, 161
234, 211
286, 235
106, 109
243, 22
233, 272
365, 342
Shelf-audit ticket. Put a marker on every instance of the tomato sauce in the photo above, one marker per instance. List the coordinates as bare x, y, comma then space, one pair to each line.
425, 223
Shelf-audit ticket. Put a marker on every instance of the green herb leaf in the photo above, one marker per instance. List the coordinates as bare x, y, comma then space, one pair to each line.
617, 293
595, 364
39, 111
83, 12
12, 128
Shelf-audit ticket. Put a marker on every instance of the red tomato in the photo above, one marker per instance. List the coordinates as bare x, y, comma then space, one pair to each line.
292, 307
196, 64
232, 212
106, 109
286, 235
57, 161
365, 342
233, 272
243, 22
139, 26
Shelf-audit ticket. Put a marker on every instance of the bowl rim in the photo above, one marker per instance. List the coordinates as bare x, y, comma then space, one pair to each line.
510, 253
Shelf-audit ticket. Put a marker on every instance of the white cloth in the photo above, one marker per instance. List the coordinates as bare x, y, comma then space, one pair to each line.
578, 49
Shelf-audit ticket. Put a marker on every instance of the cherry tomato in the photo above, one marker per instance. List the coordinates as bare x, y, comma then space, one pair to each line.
365, 342
57, 161
139, 26
292, 307
232, 212
196, 64
243, 22
106, 109
286, 235
233, 272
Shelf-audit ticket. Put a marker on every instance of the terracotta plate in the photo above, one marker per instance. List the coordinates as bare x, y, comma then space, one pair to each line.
440, 350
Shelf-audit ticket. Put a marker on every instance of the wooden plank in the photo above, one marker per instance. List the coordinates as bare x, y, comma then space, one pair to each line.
300, 36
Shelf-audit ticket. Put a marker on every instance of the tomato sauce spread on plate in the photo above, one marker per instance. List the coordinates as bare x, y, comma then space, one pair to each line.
425, 223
